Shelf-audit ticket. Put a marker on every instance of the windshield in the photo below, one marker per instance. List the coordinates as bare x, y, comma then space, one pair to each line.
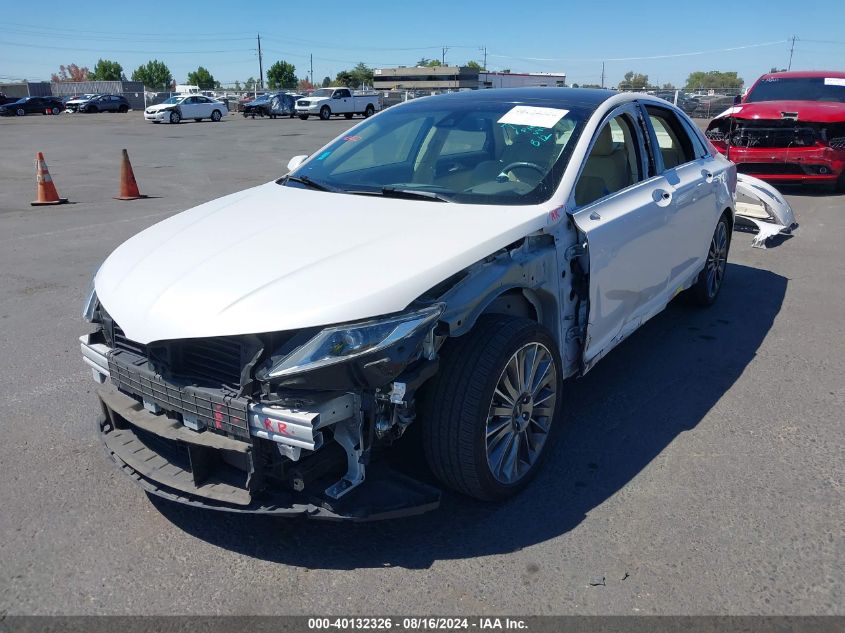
464, 150
173, 100
798, 89
323, 92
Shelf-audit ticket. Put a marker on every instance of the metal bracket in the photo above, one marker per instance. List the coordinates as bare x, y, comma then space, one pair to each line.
348, 435
575, 251
575, 334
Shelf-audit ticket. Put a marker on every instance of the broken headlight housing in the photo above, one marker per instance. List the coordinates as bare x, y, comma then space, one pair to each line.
342, 343
89, 308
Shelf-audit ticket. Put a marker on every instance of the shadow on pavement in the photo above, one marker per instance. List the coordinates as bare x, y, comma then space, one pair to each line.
656, 385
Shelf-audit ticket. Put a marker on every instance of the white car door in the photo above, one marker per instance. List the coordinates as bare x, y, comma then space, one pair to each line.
694, 177
621, 205
342, 101
188, 108
204, 106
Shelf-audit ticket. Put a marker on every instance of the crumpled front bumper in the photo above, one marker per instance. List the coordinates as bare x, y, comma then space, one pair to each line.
816, 164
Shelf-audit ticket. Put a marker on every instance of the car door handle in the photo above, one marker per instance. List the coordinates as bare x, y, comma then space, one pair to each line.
662, 197
708, 175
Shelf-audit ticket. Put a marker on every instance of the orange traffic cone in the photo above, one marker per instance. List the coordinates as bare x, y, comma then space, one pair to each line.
128, 186
47, 193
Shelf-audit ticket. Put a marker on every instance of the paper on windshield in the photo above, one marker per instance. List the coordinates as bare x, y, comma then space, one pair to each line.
531, 115
834, 81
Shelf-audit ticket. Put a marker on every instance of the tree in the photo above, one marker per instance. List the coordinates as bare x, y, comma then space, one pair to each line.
361, 74
155, 75
431, 63
475, 65
327, 81
668, 86
250, 84
774, 69
237, 85
713, 79
71, 72
304, 85
107, 70
202, 78
281, 75
345, 78
633, 81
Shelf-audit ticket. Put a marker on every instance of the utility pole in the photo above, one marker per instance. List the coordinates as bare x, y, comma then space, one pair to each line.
483, 49
791, 48
443, 60
260, 64
602, 74
312, 69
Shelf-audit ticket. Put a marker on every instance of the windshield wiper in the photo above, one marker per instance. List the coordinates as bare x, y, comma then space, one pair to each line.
312, 184
393, 192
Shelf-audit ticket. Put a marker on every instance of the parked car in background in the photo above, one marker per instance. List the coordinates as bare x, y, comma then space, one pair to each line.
4, 99
789, 127
73, 102
272, 105
483, 247
104, 103
175, 109
32, 105
328, 102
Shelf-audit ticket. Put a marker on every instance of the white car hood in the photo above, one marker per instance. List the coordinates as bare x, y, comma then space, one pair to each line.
278, 258
160, 106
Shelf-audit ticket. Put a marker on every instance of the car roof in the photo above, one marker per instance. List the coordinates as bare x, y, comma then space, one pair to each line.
581, 96
805, 74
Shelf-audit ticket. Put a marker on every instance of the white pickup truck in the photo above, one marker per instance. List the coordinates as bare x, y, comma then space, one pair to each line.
328, 101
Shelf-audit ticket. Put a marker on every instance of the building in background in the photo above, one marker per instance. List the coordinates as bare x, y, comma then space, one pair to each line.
21, 89
445, 78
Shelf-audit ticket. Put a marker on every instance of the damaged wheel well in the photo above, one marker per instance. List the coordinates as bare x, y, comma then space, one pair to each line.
514, 303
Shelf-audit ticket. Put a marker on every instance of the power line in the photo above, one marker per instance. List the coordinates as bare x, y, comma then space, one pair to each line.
113, 50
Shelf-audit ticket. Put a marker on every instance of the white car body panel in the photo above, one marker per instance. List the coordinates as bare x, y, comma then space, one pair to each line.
768, 212
161, 111
278, 258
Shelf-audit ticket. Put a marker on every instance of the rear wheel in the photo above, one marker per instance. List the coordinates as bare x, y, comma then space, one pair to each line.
369, 111
325, 113
216, 116
709, 281
55, 110
490, 417
20, 112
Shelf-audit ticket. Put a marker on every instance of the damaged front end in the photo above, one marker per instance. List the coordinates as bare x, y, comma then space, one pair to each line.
281, 423
761, 208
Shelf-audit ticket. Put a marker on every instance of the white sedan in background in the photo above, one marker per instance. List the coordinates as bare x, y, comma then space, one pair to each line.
196, 107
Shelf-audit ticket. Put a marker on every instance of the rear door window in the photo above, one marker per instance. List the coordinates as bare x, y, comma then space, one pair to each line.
673, 141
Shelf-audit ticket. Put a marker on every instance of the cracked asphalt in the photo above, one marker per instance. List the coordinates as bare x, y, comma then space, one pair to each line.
700, 471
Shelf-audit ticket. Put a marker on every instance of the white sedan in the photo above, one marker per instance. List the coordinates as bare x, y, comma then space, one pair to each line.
446, 263
180, 107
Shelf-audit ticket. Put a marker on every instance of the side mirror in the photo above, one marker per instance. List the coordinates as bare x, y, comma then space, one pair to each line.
737, 99
296, 161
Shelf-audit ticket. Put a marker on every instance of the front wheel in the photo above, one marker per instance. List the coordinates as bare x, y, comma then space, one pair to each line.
325, 113
706, 287
304, 117
56, 111
175, 117
20, 112
490, 416
216, 116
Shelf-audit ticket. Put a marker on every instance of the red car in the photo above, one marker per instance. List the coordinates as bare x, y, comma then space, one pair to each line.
789, 127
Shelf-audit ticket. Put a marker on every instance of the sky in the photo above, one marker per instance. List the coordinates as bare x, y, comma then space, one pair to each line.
666, 43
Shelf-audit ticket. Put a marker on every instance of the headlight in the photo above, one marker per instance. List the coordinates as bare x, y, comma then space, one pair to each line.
341, 343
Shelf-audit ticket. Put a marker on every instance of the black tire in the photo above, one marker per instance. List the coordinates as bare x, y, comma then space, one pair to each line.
304, 117
456, 408
369, 111
325, 113
706, 288
198, 119
123, 109
216, 115
92, 110
348, 115
20, 112
56, 111
175, 116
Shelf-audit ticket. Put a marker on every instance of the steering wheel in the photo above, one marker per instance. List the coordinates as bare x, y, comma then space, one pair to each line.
519, 164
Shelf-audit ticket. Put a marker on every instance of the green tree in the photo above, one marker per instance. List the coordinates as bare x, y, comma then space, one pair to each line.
475, 65
345, 78
249, 84
361, 74
668, 86
237, 85
775, 69
327, 81
107, 70
155, 75
713, 80
202, 78
633, 81
431, 63
281, 75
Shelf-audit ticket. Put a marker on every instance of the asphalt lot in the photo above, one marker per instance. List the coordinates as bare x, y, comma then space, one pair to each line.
701, 472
